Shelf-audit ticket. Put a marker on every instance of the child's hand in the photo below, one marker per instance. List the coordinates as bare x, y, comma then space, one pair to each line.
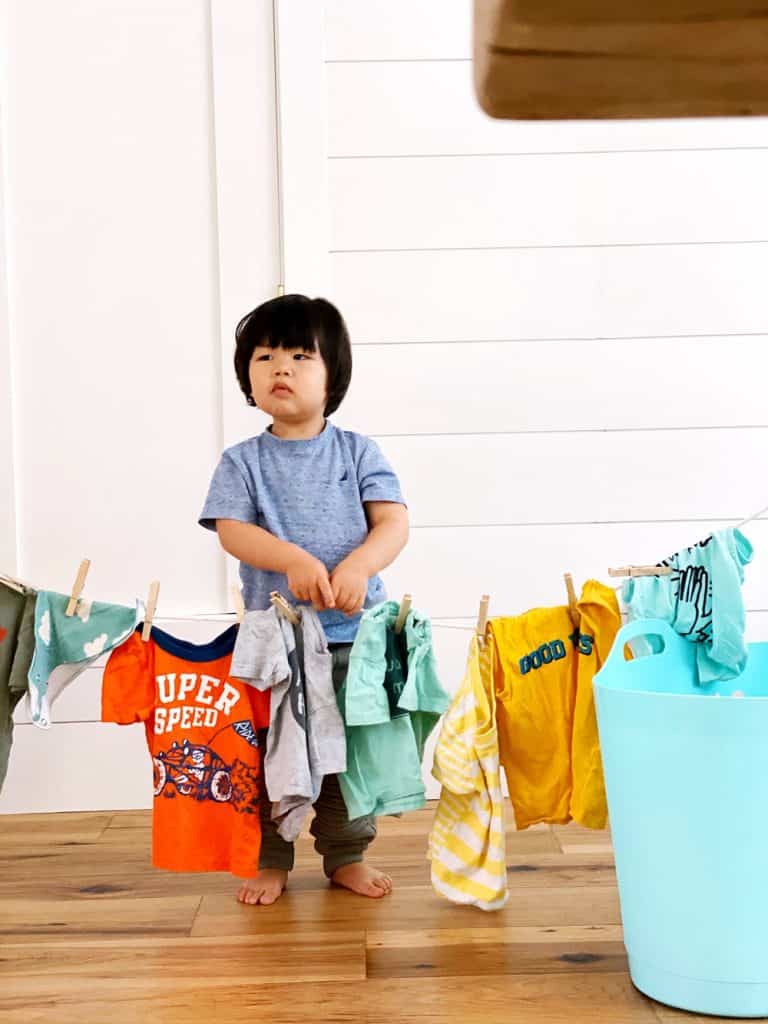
308, 581
350, 586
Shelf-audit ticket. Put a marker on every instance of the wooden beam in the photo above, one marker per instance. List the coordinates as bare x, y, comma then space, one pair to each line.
595, 59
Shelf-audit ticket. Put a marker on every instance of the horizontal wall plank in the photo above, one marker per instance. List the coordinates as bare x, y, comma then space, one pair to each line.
553, 293
558, 385
568, 199
429, 108
80, 701
578, 478
76, 767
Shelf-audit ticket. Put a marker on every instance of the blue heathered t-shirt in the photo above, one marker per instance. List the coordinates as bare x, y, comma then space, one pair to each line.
310, 493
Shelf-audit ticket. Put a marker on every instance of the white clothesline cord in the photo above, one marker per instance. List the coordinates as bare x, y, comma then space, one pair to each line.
739, 526
231, 616
749, 519
225, 616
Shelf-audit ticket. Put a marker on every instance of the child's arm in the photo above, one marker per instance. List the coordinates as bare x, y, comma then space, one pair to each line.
307, 576
388, 535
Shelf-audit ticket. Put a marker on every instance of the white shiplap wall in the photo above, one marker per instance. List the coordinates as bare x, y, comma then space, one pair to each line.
558, 324
560, 329
139, 187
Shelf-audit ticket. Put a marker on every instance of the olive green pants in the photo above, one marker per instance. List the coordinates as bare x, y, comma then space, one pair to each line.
338, 840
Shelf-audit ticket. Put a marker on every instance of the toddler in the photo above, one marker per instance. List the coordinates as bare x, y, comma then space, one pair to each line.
315, 513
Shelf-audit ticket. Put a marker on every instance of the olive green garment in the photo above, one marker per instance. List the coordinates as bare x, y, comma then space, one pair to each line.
17, 645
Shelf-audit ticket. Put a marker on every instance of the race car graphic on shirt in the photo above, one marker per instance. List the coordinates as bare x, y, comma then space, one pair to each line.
196, 770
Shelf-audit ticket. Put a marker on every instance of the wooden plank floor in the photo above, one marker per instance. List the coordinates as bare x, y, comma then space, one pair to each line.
91, 933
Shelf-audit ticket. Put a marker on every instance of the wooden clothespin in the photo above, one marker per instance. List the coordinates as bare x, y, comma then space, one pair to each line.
77, 589
154, 590
482, 617
237, 597
284, 608
402, 615
641, 570
573, 608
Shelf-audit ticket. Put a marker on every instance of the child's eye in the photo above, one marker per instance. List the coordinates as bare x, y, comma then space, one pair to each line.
301, 355
264, 358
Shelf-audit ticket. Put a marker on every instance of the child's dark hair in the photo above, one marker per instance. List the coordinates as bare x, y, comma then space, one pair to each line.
295, 321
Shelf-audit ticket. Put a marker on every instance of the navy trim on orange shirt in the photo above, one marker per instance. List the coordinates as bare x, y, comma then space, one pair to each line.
217, 648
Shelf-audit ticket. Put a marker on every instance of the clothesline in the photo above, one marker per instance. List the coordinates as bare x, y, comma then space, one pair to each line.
225, 616
749, 519
215, 616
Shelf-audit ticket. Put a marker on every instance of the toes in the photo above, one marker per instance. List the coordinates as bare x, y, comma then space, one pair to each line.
367, 882
267, 898
383, 882
248, 895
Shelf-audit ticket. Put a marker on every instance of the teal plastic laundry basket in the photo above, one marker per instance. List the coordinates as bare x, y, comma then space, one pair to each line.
686, 773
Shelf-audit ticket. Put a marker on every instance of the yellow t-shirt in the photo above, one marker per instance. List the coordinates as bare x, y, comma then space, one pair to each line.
543, 669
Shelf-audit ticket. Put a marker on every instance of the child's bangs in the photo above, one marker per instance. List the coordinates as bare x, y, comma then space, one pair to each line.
291, 327
298, 340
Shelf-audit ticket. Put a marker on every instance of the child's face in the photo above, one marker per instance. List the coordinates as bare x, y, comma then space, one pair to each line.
289, 385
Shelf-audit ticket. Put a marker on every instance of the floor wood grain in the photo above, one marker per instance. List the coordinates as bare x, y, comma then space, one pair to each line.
90, 932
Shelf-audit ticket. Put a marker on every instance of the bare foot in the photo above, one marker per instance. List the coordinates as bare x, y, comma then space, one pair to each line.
362, 879
265, 888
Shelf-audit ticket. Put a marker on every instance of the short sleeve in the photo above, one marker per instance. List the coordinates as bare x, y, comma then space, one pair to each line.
128, 685
376, 477
228, 496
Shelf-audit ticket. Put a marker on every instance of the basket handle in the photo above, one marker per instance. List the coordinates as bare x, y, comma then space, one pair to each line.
644, 627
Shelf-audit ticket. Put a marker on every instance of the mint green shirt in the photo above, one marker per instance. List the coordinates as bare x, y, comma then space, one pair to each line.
390, 701
702, 602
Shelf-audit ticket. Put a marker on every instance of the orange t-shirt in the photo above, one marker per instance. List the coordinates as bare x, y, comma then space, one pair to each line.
205, 732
